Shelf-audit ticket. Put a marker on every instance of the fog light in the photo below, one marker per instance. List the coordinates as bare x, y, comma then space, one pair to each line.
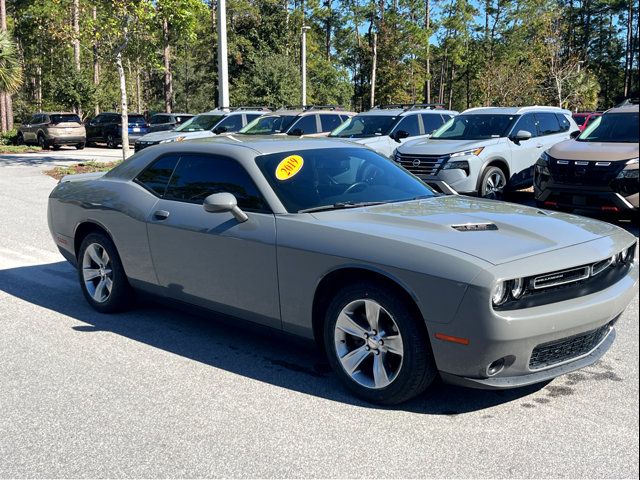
495, 367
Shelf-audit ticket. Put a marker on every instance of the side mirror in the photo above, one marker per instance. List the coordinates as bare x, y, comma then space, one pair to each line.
219, 130
224, 202
521, 135
399, 135
575, 134
296, 132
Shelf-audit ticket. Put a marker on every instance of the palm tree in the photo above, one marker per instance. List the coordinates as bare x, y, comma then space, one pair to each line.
10, 68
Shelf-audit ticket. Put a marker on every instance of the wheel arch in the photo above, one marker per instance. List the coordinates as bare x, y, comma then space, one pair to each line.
333, 280
85, 228
499, 162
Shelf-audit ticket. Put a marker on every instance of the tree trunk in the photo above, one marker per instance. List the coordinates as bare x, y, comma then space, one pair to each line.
427, 24
166, 56
123, 106
374, 65
328, 30
96, 62
453, 76
75, 14
138, 90
628, 58
6, 103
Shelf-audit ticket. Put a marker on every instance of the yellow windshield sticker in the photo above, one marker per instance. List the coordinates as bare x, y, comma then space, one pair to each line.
289, 167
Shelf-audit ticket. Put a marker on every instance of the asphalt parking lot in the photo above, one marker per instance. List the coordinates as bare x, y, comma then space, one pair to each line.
161, 393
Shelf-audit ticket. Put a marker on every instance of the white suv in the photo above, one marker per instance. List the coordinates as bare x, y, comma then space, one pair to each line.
385, 127
487, 150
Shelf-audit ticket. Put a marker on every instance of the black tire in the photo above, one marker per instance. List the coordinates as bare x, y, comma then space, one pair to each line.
485, 190
120, 296
80, 146
56, 147
20, 138
417, 370
111, 141
42, 142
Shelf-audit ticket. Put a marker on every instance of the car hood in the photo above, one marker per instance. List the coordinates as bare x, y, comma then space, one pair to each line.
172, 135
601, 151
431, 146
521, 231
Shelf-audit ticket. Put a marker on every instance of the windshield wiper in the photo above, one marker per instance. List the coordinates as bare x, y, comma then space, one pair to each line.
339, 206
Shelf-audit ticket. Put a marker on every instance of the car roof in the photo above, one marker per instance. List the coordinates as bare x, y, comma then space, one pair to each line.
55, 113
311, 111
266, 144
515, 110
394, 112
627, 108
226, 112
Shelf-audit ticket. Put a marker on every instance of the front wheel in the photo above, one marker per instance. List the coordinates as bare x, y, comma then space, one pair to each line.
111, 141
80, 146
102, 278
42, 142
378, 347
493, 183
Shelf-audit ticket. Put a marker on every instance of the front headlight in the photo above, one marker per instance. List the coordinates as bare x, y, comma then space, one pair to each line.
544, 157
507, 290
177, 139
459, 165
630, 169
475, 151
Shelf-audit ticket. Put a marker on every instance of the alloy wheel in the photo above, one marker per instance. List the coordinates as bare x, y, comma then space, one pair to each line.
368, 344
97, 272
494, 185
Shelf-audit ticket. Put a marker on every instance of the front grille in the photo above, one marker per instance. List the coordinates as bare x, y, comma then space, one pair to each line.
560, 278
559, 351
576, 172
424, 165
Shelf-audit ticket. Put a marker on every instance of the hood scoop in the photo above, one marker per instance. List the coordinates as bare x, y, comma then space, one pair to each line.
475, 227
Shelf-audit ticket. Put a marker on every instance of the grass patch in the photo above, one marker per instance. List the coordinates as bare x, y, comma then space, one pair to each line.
84, 167
18, 149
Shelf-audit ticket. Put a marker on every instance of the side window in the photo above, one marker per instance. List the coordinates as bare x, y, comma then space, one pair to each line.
157, 175
306, 125
36, 119
198, 176
409, 124
526, 122
252, 116
231, 123
431, 122
329, 122
157, 119
564, 122
547, 123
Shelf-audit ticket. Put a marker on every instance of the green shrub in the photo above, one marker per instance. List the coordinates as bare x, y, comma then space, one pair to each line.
9, 138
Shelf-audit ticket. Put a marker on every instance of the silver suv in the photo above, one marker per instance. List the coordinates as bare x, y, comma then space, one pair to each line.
384, 127
209, 124
487, 150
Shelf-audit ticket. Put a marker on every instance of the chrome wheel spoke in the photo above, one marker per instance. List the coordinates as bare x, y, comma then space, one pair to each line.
108, 284
90, 273
352, 360
349, 326
100, 295
92, 250
380, 377
372, 310
393, 344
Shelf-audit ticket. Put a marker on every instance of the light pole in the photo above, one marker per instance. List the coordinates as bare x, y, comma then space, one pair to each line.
223, 68
303, 61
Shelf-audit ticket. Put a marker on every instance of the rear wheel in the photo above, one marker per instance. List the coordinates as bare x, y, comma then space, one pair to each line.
80, 146
56, 147
493, 183
42, 142
111, 141
377, 345
20, 139
102, 278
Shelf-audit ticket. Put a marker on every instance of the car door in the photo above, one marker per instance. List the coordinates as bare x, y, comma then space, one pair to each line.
28, 130
549, 129
524, 153
211, 259
93, 128
329, 122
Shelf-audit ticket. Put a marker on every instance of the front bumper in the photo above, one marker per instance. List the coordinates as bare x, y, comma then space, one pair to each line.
140, 145
514, 335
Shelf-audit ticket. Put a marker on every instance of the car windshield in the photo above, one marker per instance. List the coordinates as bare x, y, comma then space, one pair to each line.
65, 118
363, 126
612, 128
580, 119
338, 178
475, 127
199, 123
269, 125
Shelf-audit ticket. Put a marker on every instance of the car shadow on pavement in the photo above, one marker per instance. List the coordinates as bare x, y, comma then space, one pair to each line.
261, 354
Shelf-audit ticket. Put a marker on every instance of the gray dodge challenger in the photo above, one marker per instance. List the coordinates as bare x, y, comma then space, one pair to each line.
331, 241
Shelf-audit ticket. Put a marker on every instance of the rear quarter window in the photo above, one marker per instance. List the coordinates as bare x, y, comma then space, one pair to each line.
156, 176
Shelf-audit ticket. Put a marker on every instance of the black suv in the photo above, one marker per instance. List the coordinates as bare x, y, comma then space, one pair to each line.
105, 128
167, 121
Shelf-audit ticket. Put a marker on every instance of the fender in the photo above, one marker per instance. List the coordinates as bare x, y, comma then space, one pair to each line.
501, 160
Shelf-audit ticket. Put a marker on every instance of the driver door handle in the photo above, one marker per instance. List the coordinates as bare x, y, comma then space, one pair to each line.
160, 215
539, 146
